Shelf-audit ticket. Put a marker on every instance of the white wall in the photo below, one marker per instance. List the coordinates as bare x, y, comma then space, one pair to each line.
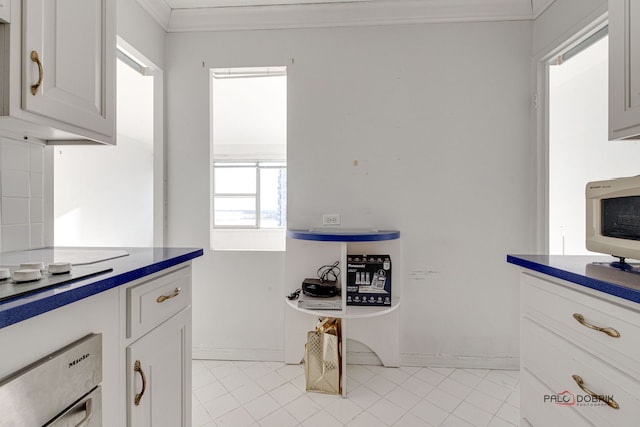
438, 117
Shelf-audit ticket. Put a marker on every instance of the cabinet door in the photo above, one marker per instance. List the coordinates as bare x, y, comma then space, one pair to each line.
75, 44
624, 69
159, 375
5, 12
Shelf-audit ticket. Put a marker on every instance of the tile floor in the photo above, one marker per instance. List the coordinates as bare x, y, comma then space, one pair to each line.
241, 394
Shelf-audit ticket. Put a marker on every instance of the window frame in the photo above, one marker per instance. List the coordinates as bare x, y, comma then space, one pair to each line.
259, 166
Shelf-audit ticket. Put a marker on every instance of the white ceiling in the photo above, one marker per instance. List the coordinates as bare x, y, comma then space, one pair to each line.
212, 15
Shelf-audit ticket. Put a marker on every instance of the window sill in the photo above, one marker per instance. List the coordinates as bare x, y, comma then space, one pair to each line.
228, 239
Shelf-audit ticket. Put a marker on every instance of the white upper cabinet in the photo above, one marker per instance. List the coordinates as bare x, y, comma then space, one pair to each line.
61, 80
624, 69
5, 10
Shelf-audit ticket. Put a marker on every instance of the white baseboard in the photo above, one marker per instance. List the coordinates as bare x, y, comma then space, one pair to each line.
360, 358
237, 354
367, 358
464, 362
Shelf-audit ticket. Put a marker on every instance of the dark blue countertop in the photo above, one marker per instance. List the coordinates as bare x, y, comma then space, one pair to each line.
139, 262
343, 235
602, 273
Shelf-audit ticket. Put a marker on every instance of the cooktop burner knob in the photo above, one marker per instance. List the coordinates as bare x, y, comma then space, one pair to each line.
36, 265
27, 275
59, 267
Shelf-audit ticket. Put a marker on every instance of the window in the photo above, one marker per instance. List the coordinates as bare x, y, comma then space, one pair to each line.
249, 194
248, 158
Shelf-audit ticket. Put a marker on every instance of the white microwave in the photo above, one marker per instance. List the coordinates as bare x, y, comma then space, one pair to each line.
613, 217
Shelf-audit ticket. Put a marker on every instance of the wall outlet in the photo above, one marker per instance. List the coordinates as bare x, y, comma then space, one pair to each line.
331, 219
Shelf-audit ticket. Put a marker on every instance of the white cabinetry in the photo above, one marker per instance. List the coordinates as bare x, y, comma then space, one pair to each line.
5, 10
624, 69
158, 359
58, 62
377, 327
576, 346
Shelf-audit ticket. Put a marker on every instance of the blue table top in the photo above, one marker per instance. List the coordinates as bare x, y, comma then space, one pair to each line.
343, 235
602, 273
139, 262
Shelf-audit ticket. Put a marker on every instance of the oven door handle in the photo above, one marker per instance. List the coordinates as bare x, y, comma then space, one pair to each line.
88, 405
70, 417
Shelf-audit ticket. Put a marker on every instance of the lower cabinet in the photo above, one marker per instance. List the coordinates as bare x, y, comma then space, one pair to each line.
541, 413
159, 375
146, 347
158, 350
579, 356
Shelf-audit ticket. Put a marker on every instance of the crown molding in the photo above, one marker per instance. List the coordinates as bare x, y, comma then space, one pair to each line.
539, 6
316, 15
346, 14
158, 10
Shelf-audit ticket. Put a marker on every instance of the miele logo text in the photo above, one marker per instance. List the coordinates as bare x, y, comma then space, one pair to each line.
78, 360
355, 265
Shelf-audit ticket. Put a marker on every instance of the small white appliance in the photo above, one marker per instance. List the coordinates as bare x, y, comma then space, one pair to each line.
613, 217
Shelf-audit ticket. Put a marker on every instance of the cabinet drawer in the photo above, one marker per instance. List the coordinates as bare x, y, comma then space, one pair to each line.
555, 361
554, 306
535, 412
152, 302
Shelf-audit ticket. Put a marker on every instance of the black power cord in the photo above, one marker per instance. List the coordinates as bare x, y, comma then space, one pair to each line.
294, 295
329, 273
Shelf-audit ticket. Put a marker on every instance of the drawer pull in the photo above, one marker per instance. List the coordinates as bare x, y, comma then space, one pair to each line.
137, 367
35, 58
606, 399
163, 298
609, 331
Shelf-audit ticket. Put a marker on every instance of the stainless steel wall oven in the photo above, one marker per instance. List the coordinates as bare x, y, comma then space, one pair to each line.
59, 390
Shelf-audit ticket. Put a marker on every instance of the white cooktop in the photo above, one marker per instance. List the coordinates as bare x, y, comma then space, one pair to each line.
86, 256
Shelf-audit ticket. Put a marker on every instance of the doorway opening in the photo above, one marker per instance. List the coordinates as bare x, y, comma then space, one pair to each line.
107, 195
579, 149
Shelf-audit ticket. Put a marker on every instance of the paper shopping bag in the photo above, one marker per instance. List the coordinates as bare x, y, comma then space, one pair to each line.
322, 358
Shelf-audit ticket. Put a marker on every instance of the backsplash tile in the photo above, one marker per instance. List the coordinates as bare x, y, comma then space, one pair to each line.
15, 210
14, 155
36, 158
36, 181
22, 179
16, 237
37, 235
15, 183
36, 210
